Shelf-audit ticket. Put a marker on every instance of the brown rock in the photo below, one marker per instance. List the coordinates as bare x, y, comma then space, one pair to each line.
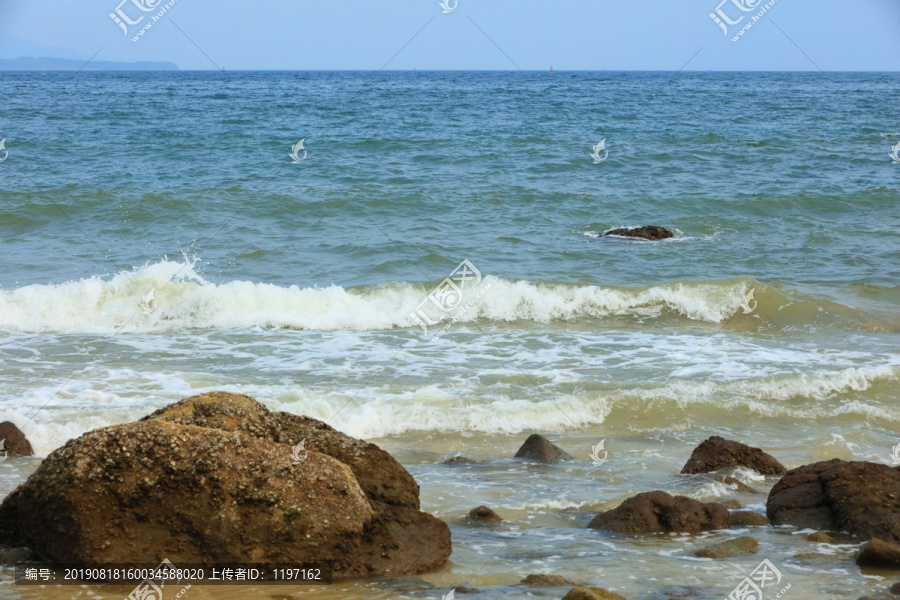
732, 504
647, 232
748, 518
459, 460
730, 548
653, 512
583, 592
224, 491
895, 589
861, 498
716, 453
811, 556
14, 441
879, 553
546, 581
820, 537
483, 514
537, 448
740, 486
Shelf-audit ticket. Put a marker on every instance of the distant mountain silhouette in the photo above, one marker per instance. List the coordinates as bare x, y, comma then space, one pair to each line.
64, 64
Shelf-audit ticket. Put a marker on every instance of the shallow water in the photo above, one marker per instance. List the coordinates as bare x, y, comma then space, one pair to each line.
296, 284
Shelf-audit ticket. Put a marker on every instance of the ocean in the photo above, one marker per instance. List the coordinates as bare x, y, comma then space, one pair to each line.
158, 240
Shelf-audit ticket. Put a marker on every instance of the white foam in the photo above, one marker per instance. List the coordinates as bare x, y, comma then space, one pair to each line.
186, 300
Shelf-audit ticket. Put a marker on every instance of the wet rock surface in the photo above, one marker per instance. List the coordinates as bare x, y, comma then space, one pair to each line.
716, 453
657, 512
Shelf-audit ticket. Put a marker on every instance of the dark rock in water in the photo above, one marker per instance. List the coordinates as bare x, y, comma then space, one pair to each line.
732, 504
14, 441
546, 581
730, 548
740, 486
483, 514
895, 589
878, 553
220, 478
861, 498
716, 453
748, 518
656, 512
537, 448
466, 590
647, 232
583, 592
820, 537
459, 460
11, 556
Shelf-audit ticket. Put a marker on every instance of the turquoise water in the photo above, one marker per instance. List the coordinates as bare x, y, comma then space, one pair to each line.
296, 283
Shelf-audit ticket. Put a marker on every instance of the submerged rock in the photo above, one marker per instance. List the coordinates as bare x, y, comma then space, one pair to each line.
716, 453
730, 548
739, 486
878, 553
820, 537
459, 460
220, 478
745, 518
583, 592
861, 498
537, 448
656, 512
647, 232
482, 514
14, 441
541, 580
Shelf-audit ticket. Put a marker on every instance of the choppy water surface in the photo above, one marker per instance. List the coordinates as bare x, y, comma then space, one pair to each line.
296, 284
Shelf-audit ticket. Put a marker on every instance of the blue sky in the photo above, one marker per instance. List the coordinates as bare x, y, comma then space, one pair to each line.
477, 34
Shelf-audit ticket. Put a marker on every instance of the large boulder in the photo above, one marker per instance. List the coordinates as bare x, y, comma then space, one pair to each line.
716, 453
537, 448
861, 498
658, 512
212, 479
647, 232
14, 441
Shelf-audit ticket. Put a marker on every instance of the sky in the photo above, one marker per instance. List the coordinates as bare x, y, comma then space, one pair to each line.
804, 35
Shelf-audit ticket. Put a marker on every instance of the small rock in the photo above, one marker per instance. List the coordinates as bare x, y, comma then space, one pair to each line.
730, 548
466, 590
583, 592
647, 232
459, 460
812, 556
895, 589
732, 504
655, 512
742, 488
748, 518
878, 553
537, 448
10, 556
820, 537
14, 440
716, 453
483, 514
541, 580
